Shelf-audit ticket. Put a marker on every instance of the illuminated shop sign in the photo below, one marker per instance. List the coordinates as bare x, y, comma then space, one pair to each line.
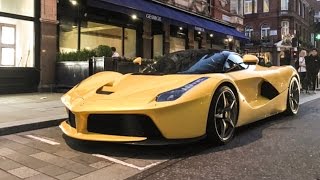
153, 17
199, 29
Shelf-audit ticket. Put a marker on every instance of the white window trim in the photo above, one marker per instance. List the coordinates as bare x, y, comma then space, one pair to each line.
285, 5
8, 45
263, 29
247, 3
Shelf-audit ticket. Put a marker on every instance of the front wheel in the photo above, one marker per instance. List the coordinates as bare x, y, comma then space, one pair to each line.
223, 116
293, 97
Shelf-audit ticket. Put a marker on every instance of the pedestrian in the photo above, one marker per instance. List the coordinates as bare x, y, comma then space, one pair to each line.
114, 52
302, 70
312, 65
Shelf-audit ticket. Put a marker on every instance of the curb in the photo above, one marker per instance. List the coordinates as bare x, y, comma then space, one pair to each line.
27, 126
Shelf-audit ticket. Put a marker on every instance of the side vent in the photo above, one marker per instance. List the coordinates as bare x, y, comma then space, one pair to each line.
268, 91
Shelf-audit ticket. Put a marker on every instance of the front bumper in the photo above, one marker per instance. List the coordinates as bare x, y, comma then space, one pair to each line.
183, 121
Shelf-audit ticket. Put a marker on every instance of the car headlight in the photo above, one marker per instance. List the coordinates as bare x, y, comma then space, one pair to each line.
176, 93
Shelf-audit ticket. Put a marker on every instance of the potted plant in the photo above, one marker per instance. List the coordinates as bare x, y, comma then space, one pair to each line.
72, 67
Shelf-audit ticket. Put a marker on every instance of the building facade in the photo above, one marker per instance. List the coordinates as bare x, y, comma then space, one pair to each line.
151, 33
229, 11
32, 32
271, 25
19, 45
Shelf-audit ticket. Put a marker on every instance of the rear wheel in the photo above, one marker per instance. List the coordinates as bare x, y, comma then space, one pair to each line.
223, 116
293, 97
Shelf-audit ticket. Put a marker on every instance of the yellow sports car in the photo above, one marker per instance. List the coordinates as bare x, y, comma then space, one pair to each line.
174, 101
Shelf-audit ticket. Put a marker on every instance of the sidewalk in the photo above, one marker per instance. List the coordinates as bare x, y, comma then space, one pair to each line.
23, 112
20, 112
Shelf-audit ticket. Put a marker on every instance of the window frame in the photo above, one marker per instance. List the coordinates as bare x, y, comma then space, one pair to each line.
263, 28
246, 7
13, 46
264, 3
284, 5
248, 30
285, 27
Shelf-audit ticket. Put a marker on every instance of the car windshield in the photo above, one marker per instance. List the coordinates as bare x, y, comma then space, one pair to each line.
195, 62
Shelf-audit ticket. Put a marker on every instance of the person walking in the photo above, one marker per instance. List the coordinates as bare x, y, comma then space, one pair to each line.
302, 70
312, 65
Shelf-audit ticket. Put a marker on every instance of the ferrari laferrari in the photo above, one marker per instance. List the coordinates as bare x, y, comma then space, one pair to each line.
181, 98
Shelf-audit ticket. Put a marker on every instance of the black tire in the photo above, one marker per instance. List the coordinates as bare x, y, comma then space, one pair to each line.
223, 116
293, 97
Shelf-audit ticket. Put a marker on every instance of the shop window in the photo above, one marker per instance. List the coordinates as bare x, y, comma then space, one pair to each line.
17, 42
157, 45
177, 38
24, 7
130, 39
95, 34
68, 35
266, 6
177, 44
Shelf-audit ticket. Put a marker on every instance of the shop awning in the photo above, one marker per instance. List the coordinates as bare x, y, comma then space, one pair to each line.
169, 13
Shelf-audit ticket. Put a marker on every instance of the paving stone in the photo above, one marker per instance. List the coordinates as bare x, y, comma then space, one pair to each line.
114, 172
4, 141
44, 147
6, 151
67, 154
100, 164
79, 168
52, 170
28, 150
23, 172
6, 176
86, 159
17, 139
52, 159
40, 177
27, 160
44, 156
67, 176
7, 164
14, 145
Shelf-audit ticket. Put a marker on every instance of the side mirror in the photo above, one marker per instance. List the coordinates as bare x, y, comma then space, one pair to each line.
250, 59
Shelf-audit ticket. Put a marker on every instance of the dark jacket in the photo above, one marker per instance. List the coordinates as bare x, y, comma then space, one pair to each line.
313, 63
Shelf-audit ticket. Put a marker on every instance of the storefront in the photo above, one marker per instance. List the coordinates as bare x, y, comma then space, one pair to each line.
137, 28
19, 45
97, 27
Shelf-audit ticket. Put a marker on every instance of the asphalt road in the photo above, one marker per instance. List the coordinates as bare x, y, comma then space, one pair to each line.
276, 148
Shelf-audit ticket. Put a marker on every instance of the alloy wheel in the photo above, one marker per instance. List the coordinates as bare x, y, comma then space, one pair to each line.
225, 114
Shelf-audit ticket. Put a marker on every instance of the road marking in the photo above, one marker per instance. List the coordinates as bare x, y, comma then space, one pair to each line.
43, 140
125, 163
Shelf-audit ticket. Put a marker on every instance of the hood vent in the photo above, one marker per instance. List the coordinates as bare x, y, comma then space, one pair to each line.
104, 90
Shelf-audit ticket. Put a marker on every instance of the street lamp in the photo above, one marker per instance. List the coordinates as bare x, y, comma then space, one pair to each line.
134, 16
74, 2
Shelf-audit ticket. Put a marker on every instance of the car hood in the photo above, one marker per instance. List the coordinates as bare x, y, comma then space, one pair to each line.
126, 91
